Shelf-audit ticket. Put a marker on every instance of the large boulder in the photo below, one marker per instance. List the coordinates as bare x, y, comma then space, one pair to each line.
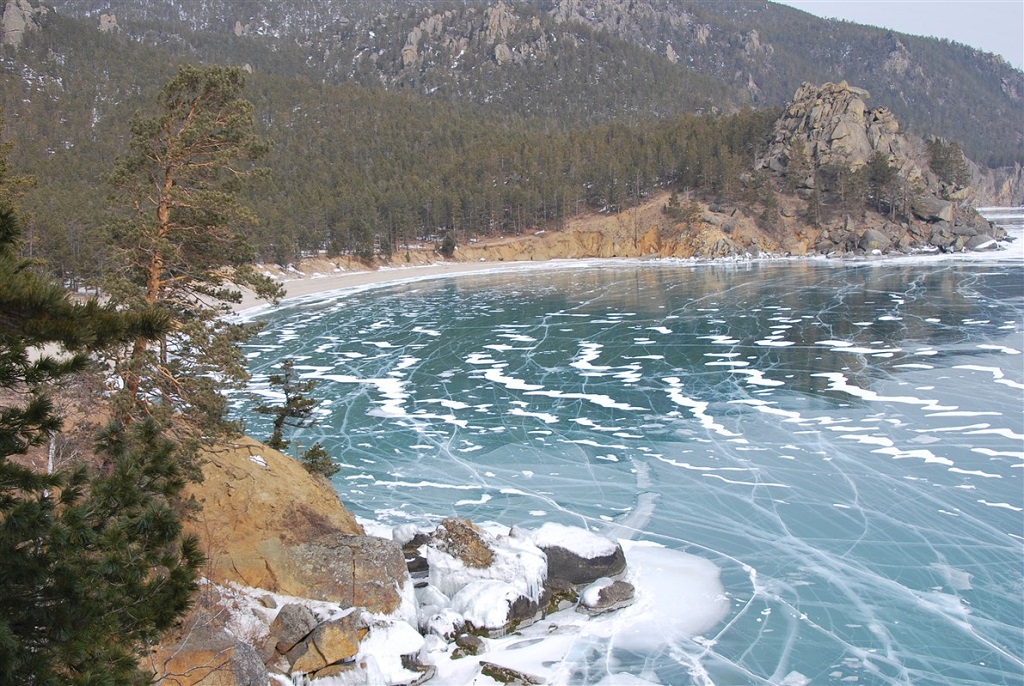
330, 643
606, 595
267, 523
208, 657
872, 240
293, 623
351, 571
577, 556
931, 209
981, 242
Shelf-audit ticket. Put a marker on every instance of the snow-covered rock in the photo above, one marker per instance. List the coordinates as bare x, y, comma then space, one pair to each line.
577, 556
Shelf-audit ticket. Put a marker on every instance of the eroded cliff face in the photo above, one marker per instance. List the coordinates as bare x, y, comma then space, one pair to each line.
267, 523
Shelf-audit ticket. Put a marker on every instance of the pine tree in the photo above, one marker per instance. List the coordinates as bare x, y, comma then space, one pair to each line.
183, 251
883, 182
297, 412
798, 169
92, 567
317, 460
297, 409
447, 246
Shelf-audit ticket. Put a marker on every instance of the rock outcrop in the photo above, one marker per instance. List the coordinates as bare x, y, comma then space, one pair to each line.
497, 28
267, 523
828, 131
269, 527
19, 17
108, 23
832, 124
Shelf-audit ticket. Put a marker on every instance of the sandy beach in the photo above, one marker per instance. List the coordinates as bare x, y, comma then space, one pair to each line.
319, 283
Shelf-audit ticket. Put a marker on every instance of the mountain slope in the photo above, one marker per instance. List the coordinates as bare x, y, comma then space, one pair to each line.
573, 61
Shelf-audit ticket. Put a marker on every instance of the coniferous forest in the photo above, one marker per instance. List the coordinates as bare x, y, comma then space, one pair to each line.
370, 161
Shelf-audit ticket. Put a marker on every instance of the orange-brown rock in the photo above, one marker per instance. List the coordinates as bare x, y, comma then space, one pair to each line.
461, 539
207, 656
330, 643
266, 522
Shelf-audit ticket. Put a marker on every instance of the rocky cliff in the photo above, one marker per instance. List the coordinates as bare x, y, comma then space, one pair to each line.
832, 124
266, 522
272, 530
19, 17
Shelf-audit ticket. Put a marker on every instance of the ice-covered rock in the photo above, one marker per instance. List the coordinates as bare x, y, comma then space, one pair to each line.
606, 595
390, 651
507, 675
470, 644
486, 604
577, 556
457, 561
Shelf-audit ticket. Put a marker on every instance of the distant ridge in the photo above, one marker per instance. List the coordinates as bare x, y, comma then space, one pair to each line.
574, 61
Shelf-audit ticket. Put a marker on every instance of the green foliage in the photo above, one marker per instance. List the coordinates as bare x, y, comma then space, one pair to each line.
93, 569
798, 169
182, 249
35, 313
296, 411
676, 211
447, 246
92, 566
316, 460
841, 187
948, 163
883, 183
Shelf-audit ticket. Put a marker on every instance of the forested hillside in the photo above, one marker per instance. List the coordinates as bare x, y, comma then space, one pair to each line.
397, 126
573, 61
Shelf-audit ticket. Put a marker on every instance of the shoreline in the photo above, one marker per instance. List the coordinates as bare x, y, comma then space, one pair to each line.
306, 285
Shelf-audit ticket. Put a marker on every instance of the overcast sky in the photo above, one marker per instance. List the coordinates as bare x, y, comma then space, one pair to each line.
995, 26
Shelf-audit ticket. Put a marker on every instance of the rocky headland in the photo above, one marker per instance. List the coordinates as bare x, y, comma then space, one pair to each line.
825, 132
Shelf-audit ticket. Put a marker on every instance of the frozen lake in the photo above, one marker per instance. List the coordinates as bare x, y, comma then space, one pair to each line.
842, 439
